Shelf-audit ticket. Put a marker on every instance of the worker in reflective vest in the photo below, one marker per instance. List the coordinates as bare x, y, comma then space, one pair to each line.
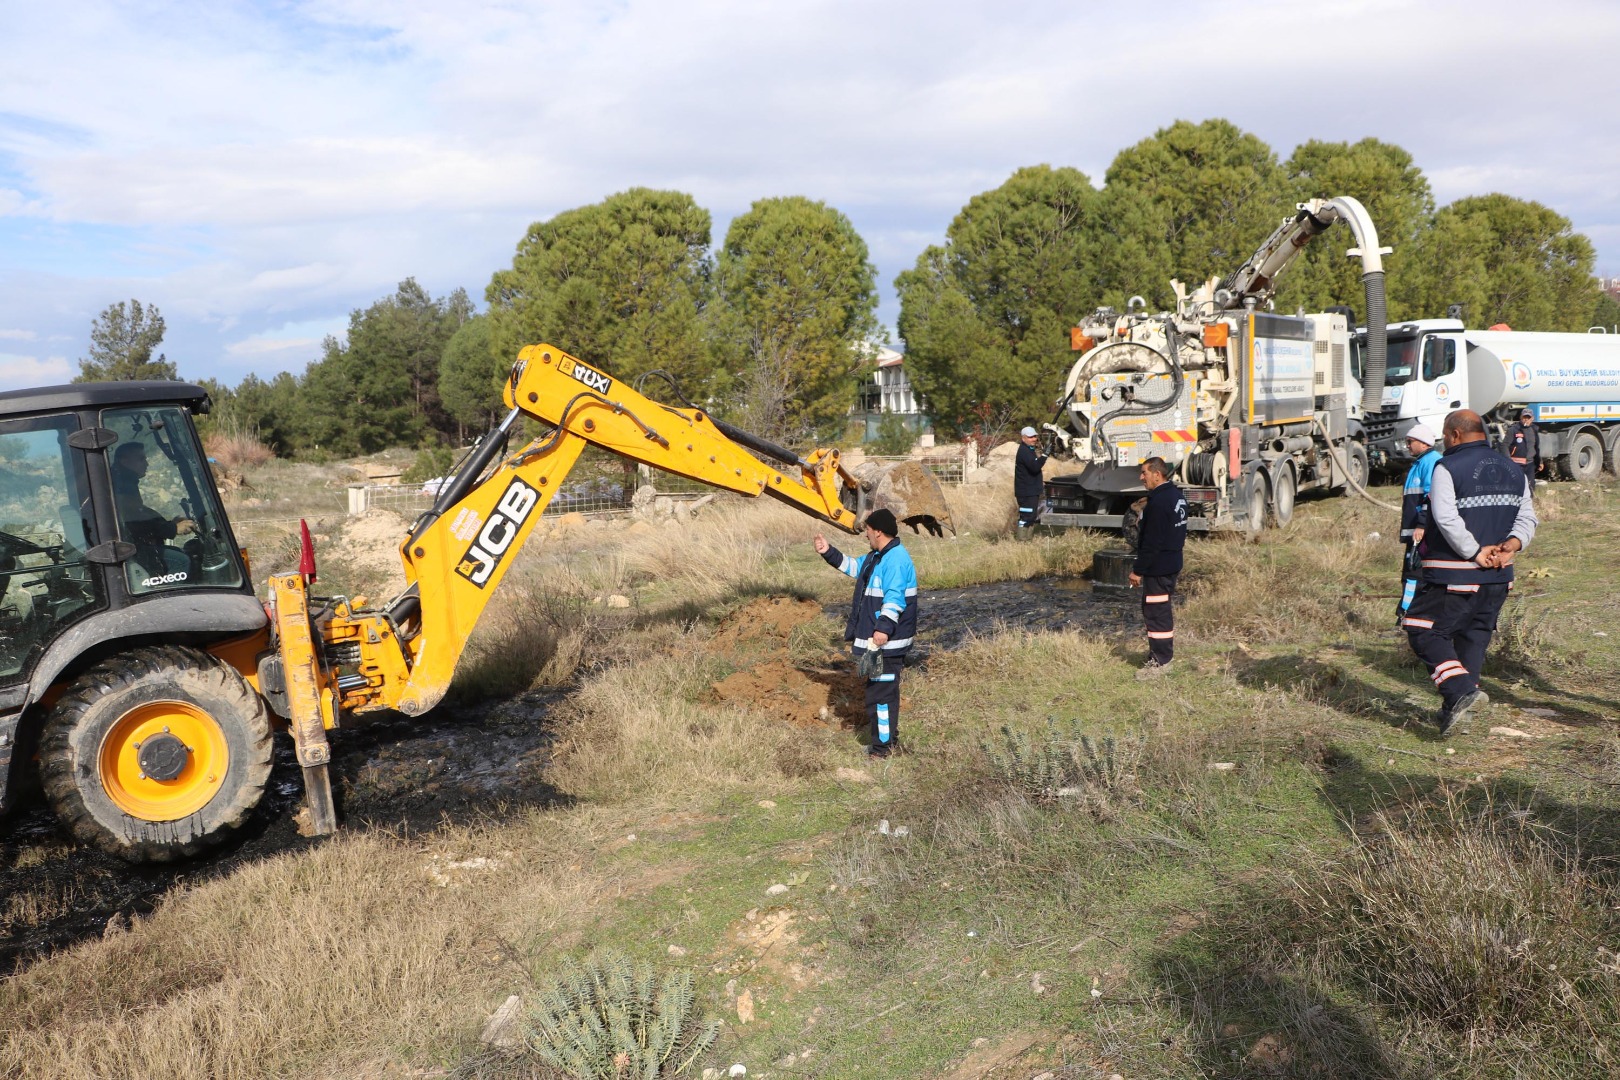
1480, 518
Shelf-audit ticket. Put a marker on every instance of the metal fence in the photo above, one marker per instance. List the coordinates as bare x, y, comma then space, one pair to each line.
948, 466
409, 500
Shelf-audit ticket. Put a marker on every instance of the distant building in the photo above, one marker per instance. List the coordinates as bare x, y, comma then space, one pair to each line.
1610, 285
885, 390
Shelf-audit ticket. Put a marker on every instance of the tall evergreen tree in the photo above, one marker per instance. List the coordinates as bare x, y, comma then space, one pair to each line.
985, 317
797, 302
622, 284
122, 340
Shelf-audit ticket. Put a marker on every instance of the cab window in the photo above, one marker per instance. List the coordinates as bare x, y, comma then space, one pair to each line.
1439, 357
166, 505
46, 526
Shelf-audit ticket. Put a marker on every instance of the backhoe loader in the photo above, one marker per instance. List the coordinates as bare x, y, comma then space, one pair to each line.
145, 678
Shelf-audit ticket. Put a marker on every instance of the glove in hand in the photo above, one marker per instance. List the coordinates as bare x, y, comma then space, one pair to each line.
870, 665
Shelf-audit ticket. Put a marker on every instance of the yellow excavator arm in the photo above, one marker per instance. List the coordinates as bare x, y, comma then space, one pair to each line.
348, 660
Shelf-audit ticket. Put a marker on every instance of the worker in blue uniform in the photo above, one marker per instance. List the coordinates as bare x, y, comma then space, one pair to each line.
1422, 444
1028, 484
1162, 536
1480, 518
1523, 446
882, 621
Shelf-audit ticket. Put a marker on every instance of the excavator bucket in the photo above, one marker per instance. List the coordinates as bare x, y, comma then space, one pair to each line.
908, 490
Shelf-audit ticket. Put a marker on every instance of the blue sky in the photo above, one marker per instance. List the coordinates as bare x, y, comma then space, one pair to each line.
259, 170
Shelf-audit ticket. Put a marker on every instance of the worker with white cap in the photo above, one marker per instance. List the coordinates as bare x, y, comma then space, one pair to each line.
1421, 443
1027, 481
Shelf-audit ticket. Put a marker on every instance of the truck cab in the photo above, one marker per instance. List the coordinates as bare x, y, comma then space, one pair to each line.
1424, 379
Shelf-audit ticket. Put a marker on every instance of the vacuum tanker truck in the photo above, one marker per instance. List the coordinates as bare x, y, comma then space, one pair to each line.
1249, 407
1569, 382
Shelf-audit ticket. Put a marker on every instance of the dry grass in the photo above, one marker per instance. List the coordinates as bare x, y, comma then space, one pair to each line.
274, 970
1477, 923
542, 627
642, 732
237, 451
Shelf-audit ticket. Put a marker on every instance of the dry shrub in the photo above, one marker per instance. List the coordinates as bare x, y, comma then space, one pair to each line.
1477, 922
639, 732
237, 450
311, 964
540, 628
728, 543
987, 510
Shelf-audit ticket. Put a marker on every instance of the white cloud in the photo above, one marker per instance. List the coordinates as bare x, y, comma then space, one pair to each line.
247, 167
17, 335
18, 371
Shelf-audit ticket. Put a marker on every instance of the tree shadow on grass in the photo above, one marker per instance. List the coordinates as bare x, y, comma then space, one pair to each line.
1327, 683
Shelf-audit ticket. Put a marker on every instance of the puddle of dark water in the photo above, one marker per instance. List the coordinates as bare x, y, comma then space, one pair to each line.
952, 616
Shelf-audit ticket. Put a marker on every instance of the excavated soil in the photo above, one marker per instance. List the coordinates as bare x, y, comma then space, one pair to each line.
459, 764
763, 634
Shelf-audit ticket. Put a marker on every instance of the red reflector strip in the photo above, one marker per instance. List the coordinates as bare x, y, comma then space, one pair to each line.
1189, 435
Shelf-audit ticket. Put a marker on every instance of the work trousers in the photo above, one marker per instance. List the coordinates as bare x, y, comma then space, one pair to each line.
1029, 510
883, 704
1450, 628
1159, 614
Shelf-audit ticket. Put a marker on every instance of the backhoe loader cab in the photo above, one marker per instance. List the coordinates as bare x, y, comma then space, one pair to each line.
121, 587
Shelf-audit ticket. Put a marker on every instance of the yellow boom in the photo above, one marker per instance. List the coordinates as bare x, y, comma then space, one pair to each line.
347, 660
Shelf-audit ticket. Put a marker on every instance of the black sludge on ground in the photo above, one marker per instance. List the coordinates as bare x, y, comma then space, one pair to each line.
403, 775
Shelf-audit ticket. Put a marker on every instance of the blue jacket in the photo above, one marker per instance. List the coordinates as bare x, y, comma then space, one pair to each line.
885, 596
1415, 497
1163, 533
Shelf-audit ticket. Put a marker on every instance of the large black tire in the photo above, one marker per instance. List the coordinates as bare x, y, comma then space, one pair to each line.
1255, 491
1284, 489
1585, 458
1355, 458
208, 773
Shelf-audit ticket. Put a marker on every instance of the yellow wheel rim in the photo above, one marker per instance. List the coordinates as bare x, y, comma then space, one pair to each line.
199, 778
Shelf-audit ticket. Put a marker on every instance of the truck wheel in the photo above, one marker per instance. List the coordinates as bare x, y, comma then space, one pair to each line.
1256, 494
156, 754
1611, 458
1284, 487
1585, 458
1355, 458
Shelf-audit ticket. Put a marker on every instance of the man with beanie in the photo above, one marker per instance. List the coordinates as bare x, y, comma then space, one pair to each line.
1480, 518
1027, 482
882, 621
1159, 544
1421, 444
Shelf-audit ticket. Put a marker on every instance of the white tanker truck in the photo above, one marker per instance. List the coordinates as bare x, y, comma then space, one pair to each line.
1569, 382
1248, 406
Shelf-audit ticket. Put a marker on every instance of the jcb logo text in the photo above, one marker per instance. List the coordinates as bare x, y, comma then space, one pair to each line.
496, 537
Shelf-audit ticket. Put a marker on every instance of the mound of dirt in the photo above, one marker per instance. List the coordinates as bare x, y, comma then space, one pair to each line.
823, 692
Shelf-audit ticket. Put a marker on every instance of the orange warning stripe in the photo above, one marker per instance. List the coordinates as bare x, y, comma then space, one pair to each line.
1189, 435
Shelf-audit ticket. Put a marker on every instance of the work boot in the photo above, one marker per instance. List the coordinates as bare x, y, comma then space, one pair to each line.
1450, 718
1151, 670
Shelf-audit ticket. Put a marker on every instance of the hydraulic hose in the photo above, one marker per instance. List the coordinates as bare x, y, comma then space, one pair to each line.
1344, 466
1372, 387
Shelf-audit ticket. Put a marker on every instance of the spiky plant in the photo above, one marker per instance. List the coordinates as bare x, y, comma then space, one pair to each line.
609, 1018
1063, 761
